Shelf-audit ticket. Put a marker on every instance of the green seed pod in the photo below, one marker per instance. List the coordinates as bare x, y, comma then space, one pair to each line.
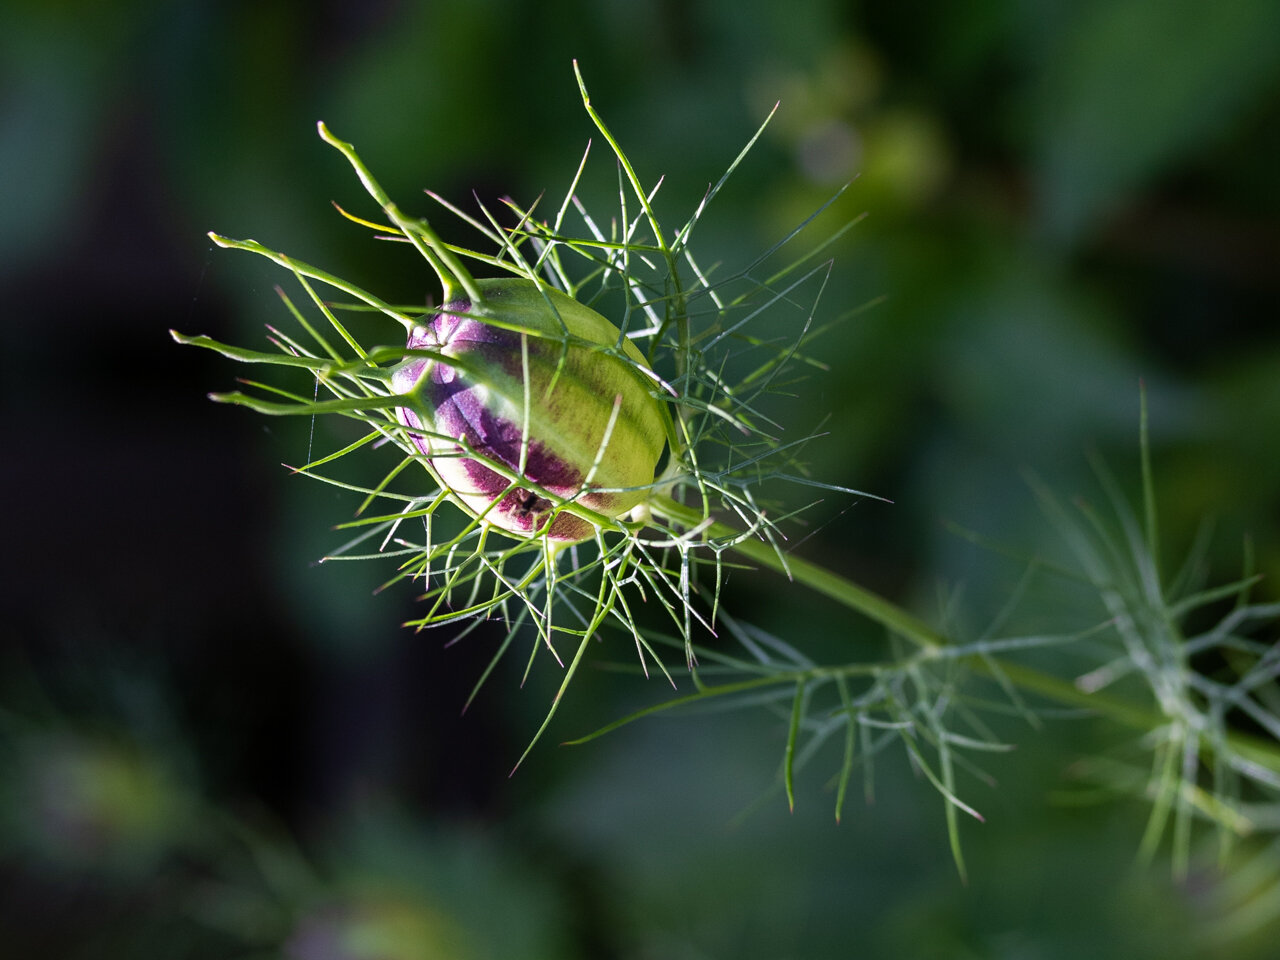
541, 404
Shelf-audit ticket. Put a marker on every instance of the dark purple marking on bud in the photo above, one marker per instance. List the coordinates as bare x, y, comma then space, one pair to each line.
459, 411
522, 510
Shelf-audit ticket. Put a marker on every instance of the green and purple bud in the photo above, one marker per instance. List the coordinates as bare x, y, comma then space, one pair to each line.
532, 392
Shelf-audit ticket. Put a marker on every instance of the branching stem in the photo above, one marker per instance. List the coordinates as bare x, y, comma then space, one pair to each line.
1264, 752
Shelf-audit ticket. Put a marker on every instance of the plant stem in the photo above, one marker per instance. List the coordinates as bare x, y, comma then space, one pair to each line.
447, 267
811, 575
1265, 753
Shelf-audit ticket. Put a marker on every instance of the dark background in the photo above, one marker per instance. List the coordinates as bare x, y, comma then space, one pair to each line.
212, 747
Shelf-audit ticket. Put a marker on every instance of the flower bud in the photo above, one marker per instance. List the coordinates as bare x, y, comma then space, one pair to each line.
570, 391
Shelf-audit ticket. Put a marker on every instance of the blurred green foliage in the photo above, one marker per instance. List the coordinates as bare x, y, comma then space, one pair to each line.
1062, 199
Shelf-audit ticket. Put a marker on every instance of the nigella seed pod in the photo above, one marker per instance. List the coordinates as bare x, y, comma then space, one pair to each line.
542, 405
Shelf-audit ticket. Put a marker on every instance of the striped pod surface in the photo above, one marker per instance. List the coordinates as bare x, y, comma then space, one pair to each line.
526, 408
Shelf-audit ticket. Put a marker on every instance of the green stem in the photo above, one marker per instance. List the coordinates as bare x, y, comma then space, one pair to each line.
1265, 753
446, 265
315, 273
812, 575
